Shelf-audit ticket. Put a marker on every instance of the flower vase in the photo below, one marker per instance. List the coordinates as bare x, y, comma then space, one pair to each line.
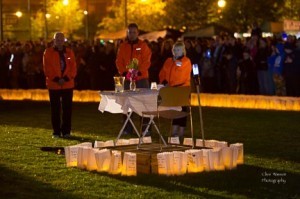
132, 85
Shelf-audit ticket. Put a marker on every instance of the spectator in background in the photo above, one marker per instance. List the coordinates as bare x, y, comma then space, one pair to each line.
93, 65
256, 30
108, 67
229, 66
60, 71
166, 49
291, 70
276, 61
4, 67
247, 75
263, 75
156, 63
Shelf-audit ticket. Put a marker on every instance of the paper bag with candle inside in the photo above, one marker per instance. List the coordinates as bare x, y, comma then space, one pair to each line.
122, 142
147, 140
103, 159
165, 163
129, 164
71, 153
206, 160
82, 157
229, 157
91, 161
195, 160
180, 162
188, 142
133, 141
215, 159
116, 162
173, 140
101, 144
240, 149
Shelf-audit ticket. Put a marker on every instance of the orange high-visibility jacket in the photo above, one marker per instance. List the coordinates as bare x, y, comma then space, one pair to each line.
51, 62
138, 50
176, 72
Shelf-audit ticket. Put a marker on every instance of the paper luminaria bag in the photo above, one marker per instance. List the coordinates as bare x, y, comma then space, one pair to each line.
129, 164
71, 153
100, 144
115, 163
240, 148
173, 140
165, 163
103, 160
91, 160
82, 158
188, 142
195, 160
179, 163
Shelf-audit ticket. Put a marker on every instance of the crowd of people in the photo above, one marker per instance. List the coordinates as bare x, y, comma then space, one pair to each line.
254, 65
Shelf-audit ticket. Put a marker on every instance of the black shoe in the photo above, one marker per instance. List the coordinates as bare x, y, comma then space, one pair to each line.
66, 136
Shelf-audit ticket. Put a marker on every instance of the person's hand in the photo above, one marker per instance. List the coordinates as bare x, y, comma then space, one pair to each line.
55, 79
165, 82
66, 78
61, 81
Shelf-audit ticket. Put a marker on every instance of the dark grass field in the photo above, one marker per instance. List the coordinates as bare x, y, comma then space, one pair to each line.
271, 147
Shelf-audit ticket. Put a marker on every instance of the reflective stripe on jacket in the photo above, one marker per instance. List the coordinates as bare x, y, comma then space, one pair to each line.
52, 68
138, 50
176, 72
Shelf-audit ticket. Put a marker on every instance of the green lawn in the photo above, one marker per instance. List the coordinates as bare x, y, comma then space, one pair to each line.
271, 147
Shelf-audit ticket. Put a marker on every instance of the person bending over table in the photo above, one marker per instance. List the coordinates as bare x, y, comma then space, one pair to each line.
176, 71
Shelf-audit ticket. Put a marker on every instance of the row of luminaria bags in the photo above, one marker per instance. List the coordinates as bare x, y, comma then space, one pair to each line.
216, 155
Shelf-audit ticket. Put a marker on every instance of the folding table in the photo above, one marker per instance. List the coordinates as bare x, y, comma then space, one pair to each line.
128, 102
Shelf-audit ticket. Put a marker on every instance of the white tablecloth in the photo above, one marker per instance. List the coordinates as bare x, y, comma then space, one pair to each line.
136, 101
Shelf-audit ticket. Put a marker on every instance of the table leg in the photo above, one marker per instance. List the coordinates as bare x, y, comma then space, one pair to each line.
128, 119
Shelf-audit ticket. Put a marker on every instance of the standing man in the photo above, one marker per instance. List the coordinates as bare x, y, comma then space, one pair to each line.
132, 48
60, 71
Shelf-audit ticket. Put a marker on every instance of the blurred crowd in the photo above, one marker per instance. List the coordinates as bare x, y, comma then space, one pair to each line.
254, 65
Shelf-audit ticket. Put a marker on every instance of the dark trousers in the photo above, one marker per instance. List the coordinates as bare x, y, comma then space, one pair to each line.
61, 110
181, 121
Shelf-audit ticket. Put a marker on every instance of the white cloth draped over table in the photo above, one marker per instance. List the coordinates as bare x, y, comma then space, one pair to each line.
136, 101
128, 102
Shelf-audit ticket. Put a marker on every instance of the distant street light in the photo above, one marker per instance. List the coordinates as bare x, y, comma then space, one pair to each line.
48, 15
66, 2
19, 14
221, 3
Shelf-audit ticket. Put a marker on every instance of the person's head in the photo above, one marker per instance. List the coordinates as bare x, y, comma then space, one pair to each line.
246, 54
132, 32
178, 49
59, 40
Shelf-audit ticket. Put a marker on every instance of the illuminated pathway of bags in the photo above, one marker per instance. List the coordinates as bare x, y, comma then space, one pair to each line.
217, 156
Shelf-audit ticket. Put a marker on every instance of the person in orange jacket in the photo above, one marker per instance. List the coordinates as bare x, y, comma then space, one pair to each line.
134, 49
60, 69
176, 71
